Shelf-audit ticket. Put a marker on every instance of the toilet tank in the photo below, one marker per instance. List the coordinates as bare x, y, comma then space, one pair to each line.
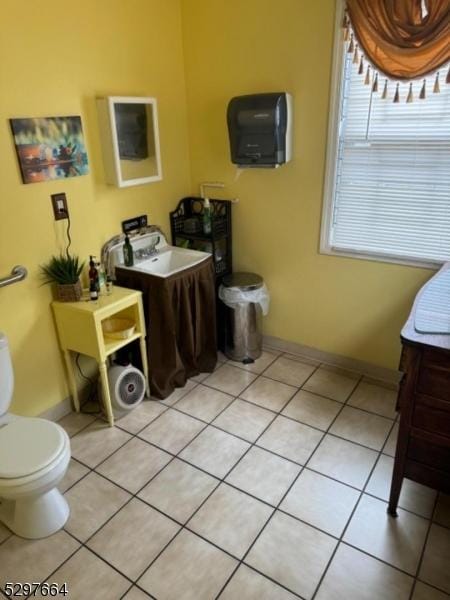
6, 375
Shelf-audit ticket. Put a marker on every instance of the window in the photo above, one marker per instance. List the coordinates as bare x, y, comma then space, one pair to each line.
387, 192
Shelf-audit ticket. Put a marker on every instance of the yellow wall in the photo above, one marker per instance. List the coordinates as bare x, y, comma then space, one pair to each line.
54, 60
350, 307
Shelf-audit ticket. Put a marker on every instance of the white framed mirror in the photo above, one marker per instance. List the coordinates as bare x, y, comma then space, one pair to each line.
130, 140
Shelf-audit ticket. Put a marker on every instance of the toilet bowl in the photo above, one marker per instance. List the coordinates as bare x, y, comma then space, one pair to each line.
34, 457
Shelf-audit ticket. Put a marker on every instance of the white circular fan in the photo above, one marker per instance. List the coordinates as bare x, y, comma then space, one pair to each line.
127, 388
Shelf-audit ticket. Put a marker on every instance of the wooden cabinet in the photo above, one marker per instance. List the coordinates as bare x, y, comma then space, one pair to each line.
423, 447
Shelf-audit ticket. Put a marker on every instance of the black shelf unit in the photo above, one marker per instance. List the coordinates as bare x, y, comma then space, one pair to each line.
188, 216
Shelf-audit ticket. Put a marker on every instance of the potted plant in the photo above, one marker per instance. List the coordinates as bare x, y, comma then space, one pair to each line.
64, 271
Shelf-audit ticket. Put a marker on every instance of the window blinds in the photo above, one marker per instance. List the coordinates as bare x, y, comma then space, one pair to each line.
392, 184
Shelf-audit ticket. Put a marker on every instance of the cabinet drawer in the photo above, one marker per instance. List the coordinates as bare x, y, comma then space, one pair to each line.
430, 454
439, 359
434, 421
434, 374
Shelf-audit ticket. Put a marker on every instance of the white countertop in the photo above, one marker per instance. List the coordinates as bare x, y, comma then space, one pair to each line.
433, 301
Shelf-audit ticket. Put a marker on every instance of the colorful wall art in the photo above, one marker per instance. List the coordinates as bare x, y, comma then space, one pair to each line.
50, 148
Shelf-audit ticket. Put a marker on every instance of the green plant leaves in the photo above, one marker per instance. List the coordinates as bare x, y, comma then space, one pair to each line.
62, 269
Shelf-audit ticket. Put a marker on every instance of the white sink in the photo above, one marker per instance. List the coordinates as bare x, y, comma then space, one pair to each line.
170, 260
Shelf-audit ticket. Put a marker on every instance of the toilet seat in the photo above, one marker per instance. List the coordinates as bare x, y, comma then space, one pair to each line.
29, 447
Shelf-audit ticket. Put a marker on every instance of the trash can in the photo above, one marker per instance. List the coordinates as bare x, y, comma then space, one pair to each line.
246, 299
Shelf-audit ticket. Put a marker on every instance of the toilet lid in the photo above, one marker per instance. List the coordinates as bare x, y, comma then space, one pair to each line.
28, 445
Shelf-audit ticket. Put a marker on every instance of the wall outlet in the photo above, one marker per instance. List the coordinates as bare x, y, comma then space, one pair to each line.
59, 203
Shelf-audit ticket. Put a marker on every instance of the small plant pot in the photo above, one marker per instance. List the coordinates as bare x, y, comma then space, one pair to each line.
69, 292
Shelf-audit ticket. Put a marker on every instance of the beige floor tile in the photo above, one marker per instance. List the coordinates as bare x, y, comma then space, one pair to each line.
260, 363
95, 443
398, 542
389, 385
343, 460
414, 496
178, 490
307, 360
87, 576
269, 394
312, 409
435, 565
133, 538
291, 372
201, 376
374, 398
172, 431
74, 473
292, 553
136, 594
425, 592
442, 512
134, 464
246, 584
230, 380
362, 427
189, 569
391, 443
141, 416
215, 451
333, 383
5, 533
290, 439
244, 419
230, 519
204, 403
353, 575
321, 502
180, 392
264, 475
75, 422
33, 560
92, 501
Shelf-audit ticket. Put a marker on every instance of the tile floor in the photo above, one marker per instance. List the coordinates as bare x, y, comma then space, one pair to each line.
261, 482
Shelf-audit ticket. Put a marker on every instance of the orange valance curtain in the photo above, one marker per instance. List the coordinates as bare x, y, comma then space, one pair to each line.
404, 39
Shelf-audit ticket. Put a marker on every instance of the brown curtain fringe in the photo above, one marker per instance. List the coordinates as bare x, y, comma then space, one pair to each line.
397, 94
410, 96
423, 91
398, 39
375, 83
385, 90
361, 66
436, 87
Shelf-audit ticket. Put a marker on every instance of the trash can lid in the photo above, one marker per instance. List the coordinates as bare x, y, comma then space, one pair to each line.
243, 281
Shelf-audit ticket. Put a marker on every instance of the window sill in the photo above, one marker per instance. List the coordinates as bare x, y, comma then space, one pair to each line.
398, 260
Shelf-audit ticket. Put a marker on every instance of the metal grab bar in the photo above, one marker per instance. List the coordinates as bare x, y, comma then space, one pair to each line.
17, 274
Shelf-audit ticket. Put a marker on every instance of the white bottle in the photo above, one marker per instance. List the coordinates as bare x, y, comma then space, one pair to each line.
206, 216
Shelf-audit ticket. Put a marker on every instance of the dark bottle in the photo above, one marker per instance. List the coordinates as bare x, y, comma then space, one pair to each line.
93, 293
128, 257
93, 273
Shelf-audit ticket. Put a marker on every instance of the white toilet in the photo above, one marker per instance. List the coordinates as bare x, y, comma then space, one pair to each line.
34, 456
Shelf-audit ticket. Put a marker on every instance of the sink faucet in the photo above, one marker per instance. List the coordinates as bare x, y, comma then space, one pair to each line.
148, 251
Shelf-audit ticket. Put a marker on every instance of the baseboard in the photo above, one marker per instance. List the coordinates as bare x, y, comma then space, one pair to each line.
57, 412
381, 373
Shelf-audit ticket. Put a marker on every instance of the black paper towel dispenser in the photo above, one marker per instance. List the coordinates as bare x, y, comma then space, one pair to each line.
260, 130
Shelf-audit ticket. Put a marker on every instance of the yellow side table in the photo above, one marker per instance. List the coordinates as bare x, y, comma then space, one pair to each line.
79, 326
